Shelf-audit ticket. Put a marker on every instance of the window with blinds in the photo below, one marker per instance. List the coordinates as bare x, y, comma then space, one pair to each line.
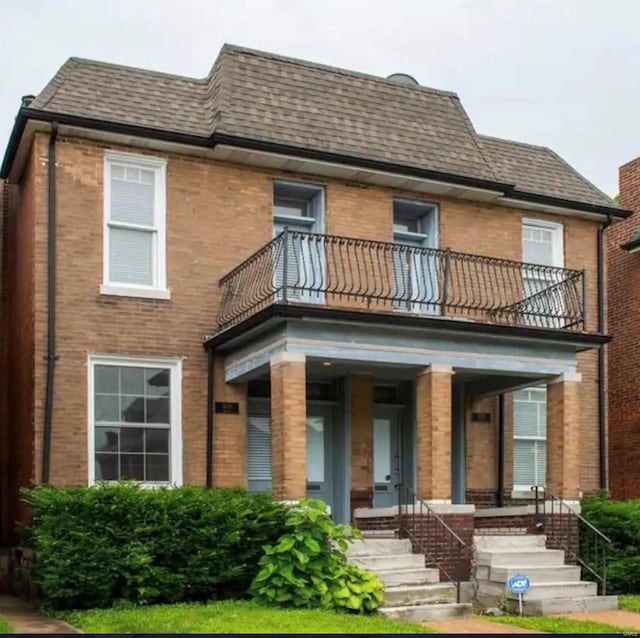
529, 438
259, 452
134, 251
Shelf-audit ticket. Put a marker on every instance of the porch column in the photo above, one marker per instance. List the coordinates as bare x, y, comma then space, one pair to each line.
433, 433
288, 425
563, 436
361, 404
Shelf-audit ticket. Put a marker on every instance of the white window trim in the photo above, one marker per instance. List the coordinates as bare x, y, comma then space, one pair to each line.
175, 427
557, 234
159, 165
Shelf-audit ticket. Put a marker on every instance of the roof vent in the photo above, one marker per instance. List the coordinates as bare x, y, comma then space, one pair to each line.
403, 78
27, 99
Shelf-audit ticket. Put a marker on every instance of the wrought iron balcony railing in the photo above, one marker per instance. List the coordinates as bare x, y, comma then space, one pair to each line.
343, 272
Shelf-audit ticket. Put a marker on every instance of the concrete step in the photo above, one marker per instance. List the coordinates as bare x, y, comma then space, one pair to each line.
379, 547
564, 605
487, 542
521, 557
429, 612
556, 573
379, 533
542, 591
407, 577
420, 594
389, 561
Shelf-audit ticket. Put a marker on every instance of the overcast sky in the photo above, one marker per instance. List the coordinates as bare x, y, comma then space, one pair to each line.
559, 73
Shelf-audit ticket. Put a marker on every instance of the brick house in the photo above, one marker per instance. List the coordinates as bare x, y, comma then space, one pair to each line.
623, 242
294, 277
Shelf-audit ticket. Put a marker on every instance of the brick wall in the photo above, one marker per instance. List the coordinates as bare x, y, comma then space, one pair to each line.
207, 202
623, 281
361, 402
4, 423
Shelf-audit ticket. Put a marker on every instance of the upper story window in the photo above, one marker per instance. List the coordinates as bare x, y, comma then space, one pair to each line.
134, 420
134, 226
298, 206
542, 243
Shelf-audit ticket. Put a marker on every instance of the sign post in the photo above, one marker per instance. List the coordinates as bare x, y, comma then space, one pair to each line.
519, 584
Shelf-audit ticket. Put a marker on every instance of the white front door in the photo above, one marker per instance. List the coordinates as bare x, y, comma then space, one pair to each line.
386, 456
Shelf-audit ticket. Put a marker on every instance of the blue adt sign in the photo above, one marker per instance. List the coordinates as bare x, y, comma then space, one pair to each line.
519, 584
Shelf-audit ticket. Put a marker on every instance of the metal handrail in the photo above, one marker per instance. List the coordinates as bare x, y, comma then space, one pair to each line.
414, 528
299, 267
592, 547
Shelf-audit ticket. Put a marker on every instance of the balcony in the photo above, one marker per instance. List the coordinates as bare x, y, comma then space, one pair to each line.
299, 268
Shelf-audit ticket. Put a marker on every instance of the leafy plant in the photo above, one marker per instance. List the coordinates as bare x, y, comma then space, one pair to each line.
308, 566
118, 544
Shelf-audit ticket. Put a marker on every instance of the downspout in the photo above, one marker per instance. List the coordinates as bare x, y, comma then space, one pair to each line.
500, 499
210, 360
51, 304
601, 363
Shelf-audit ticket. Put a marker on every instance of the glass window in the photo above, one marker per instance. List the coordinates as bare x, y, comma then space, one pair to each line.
132, 423
381, 450
135, 219
315, 449
529, 437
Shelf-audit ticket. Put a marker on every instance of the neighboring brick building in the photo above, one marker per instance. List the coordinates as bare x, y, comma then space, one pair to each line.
295, 277
623, 280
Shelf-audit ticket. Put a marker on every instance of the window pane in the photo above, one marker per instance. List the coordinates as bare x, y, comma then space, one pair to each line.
131, 440
132, 466
315, 449
132, 381
157, 467
131, 256
157, 382
258, 448
525, 418
381, 450
106, 467
157, 440
132, 409
158, 410
107, 439
524, 465
106, 407
132, 201
106, 379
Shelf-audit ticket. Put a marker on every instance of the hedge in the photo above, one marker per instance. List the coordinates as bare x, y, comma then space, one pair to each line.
118, 543
620, 521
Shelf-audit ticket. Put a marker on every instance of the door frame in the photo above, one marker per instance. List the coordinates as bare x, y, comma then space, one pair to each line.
394, 413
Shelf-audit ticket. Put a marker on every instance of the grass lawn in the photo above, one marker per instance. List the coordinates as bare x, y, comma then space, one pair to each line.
4, 628
629, 602
555, 625
232, 617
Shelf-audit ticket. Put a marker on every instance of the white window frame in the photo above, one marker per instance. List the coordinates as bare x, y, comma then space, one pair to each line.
518, 487
175, 414
558, 239
158, 290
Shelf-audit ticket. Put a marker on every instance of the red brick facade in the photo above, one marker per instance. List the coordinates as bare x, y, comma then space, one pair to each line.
218, 214
623, 352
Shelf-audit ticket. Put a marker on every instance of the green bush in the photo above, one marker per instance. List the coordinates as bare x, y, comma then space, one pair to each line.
117, 544
308, 566
620, 521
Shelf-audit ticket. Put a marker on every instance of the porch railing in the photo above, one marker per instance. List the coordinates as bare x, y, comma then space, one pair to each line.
306, 268
566, 529
432, 536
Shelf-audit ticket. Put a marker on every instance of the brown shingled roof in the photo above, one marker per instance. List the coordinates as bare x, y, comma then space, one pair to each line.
271, 98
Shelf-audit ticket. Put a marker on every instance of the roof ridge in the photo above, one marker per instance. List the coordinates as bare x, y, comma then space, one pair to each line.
510, 141
128, 67
234, 48
474, 135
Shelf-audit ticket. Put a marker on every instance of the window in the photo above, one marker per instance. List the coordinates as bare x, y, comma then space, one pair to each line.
415, 273
300, 208
529, 438
134, 226
134, 420
542, 245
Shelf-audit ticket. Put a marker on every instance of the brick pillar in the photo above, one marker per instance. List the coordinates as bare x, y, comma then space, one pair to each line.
361, 404
230, 432
433, 424
563, 436
288, 425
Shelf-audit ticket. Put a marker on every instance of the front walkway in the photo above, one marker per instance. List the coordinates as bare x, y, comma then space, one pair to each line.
475, 625
24, 620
